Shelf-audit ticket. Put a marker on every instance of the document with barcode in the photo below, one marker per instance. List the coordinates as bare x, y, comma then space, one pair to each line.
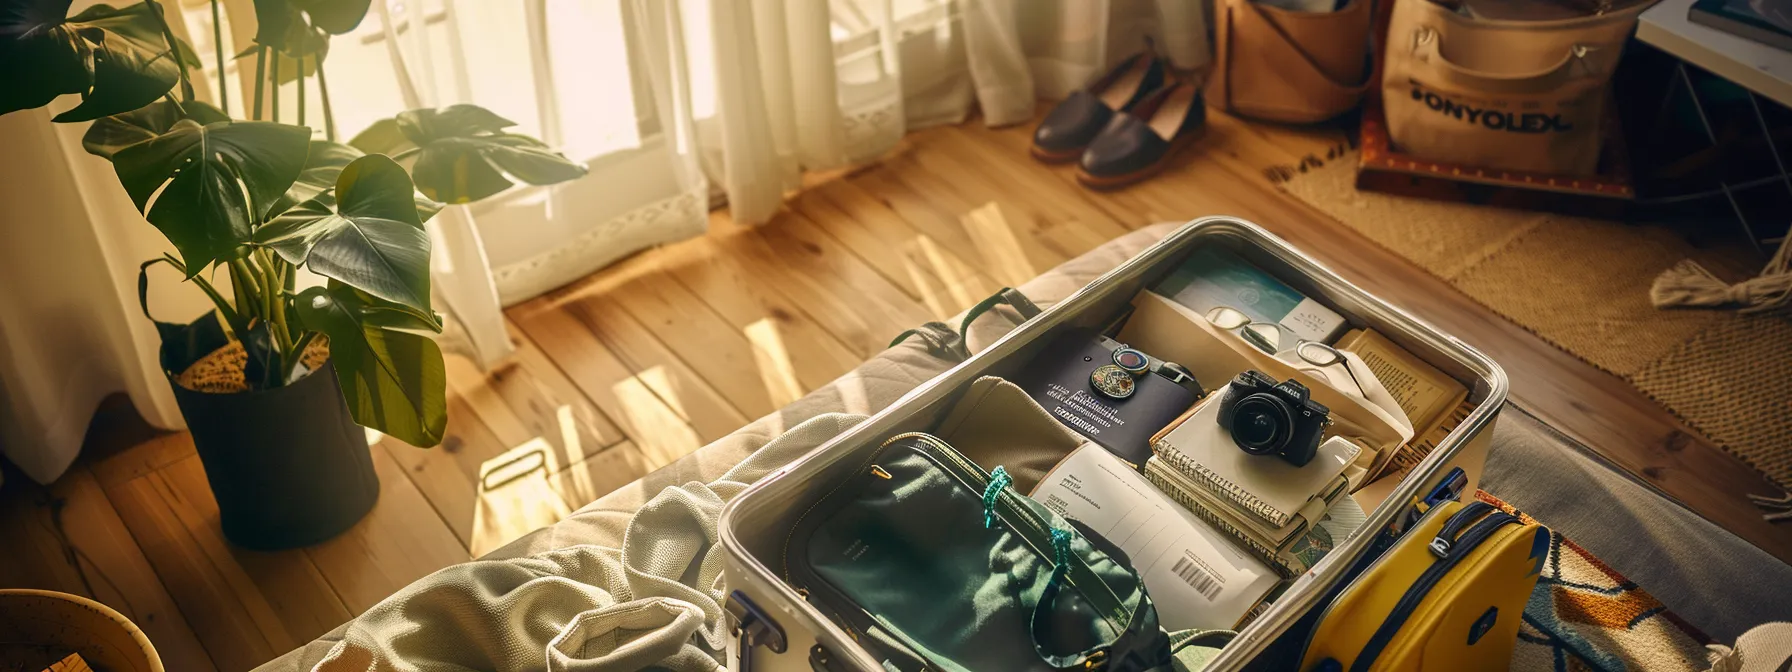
1196, 576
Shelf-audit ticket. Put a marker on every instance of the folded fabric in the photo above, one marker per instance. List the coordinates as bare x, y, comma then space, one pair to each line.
654, 602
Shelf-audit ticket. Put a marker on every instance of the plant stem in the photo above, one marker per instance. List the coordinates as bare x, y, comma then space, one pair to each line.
243, 286
323, 92
302, 90
261, 71
182, 109
218, 51
408, 153
276, 307
274, 83
231, 317
186, 84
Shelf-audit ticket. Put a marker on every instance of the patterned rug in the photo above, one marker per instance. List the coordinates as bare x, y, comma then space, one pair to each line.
1586, 616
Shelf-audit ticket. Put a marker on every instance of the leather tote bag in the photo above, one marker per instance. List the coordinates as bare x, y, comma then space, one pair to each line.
1289, 66
1515, 95
929, 562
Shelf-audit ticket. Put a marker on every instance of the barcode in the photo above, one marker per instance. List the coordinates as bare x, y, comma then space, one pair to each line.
1206, 584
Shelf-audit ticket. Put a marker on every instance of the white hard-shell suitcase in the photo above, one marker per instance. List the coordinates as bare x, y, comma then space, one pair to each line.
778, 630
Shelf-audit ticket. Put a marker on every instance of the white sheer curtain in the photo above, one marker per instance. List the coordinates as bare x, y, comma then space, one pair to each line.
672, 103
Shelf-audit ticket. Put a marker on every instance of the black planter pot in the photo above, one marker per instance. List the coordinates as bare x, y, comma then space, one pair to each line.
288, 466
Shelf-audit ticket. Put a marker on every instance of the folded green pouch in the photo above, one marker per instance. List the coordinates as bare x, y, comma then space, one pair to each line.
929, 562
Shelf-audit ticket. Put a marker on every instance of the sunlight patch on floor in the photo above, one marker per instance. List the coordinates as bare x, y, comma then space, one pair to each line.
992, 235
660, 430
956, 279
773, 361
515, 497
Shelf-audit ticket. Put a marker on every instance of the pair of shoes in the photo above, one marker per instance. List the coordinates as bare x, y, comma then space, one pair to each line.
1125, 127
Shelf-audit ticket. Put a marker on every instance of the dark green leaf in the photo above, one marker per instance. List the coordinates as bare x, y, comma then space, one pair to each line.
336, 17
465, 155
393, 381
115, 58
425, 125
280, 25
108, 135
366, 234
221, 180
377, 312
323, 163
383, 137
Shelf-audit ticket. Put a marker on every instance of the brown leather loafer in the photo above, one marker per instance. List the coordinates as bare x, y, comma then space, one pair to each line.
1069, 127
1139, 143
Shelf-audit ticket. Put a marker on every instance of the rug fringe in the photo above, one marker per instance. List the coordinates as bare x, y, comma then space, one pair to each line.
1689, 285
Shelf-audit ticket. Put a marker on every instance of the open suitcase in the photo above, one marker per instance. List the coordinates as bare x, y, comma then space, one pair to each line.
778, 629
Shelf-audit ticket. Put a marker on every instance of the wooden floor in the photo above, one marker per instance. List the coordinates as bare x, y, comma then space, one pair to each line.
646, 361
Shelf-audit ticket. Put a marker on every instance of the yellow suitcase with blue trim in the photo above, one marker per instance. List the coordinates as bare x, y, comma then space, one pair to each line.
1448, 596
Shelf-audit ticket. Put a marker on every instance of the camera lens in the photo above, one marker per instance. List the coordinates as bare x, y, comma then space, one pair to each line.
1260, 424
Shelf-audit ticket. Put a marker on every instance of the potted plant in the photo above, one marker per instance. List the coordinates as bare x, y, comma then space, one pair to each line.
257, 200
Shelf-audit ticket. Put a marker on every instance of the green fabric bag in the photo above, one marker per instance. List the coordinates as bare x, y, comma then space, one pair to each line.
932, 563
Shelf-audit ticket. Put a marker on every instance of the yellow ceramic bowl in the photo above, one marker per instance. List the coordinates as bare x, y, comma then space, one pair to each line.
46, 625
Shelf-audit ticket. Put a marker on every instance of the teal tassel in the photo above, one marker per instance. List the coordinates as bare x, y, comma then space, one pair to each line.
998, 480
1061, 550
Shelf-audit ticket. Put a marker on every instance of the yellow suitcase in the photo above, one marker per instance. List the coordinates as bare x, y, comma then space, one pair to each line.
1448, 596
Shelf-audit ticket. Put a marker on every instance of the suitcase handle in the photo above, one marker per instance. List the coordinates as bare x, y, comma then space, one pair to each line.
946, 343
753, 628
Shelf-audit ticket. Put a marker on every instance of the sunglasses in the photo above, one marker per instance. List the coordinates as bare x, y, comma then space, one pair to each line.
1268, 337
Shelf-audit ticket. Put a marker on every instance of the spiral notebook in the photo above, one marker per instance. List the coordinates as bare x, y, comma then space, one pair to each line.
1268, 487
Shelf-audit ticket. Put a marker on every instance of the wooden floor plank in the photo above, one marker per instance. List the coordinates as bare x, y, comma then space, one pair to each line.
232, 618
654, 392
528, 396
792, 354
447, 476
282, 592
398, 542
929, 270
69, 538
651, 424
834, 287
712, 347
1008, 239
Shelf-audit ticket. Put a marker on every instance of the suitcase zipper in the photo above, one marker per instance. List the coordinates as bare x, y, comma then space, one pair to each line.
1453, 554
1471, 512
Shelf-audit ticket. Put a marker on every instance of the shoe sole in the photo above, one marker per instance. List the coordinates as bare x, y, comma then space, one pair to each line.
1109, 182
1047, 156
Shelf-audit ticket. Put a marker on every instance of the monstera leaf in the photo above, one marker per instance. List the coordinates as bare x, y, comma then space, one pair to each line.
336, 17
220, 180
115, 58
110, 134
393, 381
463, 153
366, 233
323, 163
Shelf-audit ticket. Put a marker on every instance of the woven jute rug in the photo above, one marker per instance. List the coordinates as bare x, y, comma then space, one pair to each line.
1583, 285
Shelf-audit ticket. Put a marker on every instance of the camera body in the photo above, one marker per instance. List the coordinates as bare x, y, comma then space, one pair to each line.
1265, 417
1111, 394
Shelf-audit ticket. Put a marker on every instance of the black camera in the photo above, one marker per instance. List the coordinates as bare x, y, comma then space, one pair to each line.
1115, 395
1269, 418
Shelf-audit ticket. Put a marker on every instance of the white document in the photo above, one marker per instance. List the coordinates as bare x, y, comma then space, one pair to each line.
1195, 575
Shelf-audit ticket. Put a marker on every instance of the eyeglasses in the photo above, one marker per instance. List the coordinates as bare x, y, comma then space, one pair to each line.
1267, 336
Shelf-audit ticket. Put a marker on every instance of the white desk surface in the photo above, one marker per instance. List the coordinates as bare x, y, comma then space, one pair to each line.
1755, 66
